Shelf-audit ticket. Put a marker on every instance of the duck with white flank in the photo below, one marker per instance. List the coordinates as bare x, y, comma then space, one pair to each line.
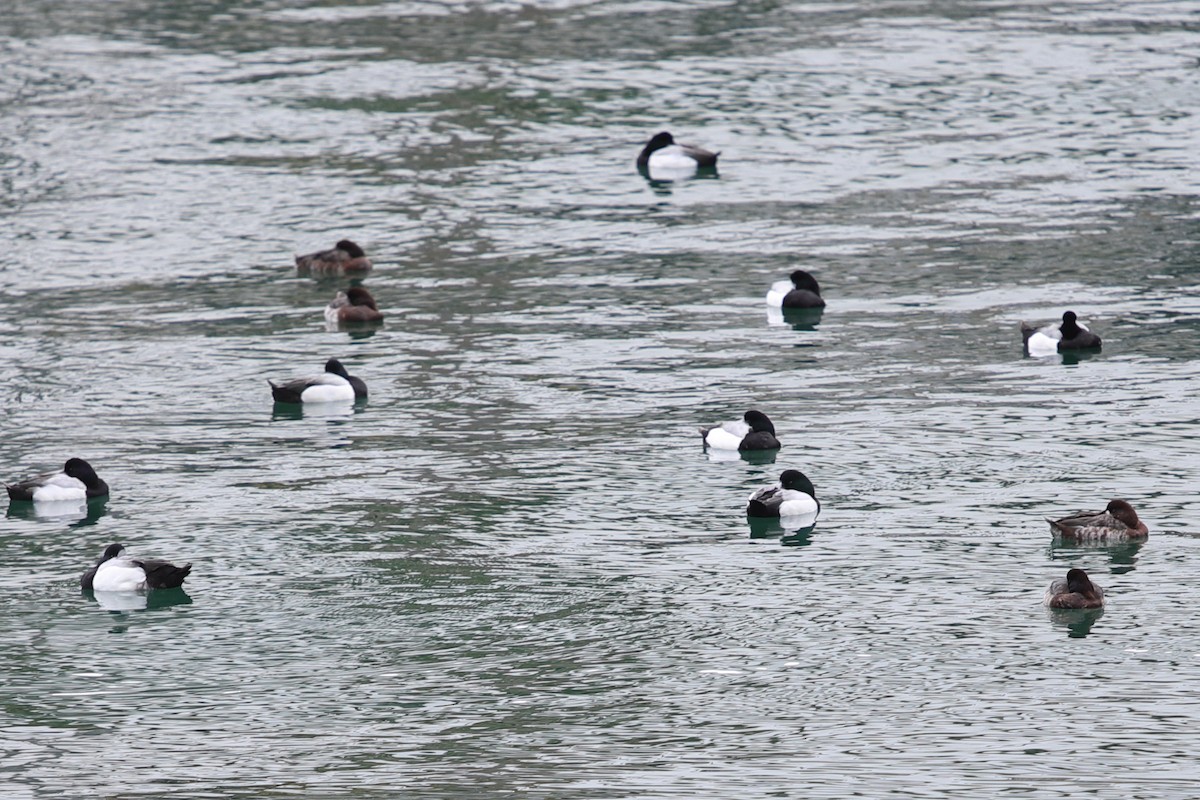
353, 305
800, 290
115, 572
754, 431
662, 156
334, 385
345, 256
1117, 522
1077, 591
793, 497
77, 482
1071, 335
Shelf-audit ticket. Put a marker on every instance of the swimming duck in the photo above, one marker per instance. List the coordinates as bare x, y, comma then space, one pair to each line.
1077, 591
353, 305
799, 291
331, 386
345, 256
117, 573
793, 497
1071, 335
1116, 522
662, 154
756, 432
77, 481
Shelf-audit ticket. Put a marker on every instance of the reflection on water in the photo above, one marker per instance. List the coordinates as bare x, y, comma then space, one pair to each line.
791, 531
1077, 621
79, 513
118, 602
800, 319
1122, 556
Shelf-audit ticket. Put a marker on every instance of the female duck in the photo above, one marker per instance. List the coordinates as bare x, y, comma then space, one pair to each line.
793, 497
799, 291
1077, 591
353, 305
1117, 522
332, 386
117, 573
662, 154
345, 256
753, 432
1054, 339
77, 481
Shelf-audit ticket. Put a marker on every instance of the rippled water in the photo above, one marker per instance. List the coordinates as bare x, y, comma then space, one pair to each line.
514, 570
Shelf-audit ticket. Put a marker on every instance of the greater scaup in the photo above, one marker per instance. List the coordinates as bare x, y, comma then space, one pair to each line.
77, 481
353, 305
662, 154
754, 431
115, 572
799, 291
331, 386
1117, 521
1051, 339
345, 256
1077, 591
793, 497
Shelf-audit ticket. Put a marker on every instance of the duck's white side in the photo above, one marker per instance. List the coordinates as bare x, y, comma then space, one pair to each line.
778, 291
119, 575
1045, 341
328, 388
798, 504
727, 437
60, 488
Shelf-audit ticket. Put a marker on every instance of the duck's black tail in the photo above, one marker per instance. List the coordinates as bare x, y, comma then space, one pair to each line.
162, 575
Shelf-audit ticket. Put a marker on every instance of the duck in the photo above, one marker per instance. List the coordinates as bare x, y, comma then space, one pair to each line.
800, 290
793, 497
662, 154
77, 481
1071, 335
345, 256
117, 573
353, 305
754, 431
331, 386
1118, 521
1077, 591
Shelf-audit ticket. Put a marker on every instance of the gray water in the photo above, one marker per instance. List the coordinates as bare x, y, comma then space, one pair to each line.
514, 570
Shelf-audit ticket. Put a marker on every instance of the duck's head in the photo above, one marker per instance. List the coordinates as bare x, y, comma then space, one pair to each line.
758, 421
658, 141
112, 551
1078, 581
1070, 325
335, 366
802, 280
358, 296
1123, 511
350, 248
798, 481
78, 468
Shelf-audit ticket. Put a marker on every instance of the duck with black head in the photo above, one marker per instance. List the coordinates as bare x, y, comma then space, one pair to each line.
77, 482
794, 496
334, 385
754, 431
343, 257
1076, 591
1070, 335
800, 290
115, 572
664, 157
